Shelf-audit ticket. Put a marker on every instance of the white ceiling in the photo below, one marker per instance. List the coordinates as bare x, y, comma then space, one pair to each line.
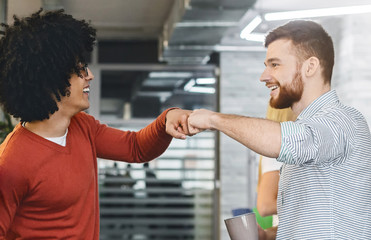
156, 19
145, 19
141, 19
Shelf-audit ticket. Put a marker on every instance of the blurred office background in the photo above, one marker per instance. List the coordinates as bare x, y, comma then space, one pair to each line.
155, 54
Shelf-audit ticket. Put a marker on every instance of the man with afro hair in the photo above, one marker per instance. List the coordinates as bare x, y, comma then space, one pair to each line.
48, 164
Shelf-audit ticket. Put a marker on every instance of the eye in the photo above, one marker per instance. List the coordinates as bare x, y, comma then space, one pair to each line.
83, 73
275, 64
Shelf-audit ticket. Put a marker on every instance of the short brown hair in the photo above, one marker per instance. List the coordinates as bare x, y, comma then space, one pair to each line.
310, 39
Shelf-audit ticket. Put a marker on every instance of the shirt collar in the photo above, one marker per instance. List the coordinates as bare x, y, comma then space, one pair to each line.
325, 99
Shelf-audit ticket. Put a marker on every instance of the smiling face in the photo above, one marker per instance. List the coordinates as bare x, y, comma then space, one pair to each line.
78, 97
282, 74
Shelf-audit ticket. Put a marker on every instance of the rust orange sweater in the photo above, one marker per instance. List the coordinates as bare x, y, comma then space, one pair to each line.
51, 192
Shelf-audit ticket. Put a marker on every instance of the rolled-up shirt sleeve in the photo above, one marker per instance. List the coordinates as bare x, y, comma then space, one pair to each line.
313, 143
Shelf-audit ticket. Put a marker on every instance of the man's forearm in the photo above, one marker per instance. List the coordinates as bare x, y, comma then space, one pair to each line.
260, 135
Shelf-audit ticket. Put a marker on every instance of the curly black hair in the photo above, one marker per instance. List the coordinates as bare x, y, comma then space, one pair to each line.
38, 55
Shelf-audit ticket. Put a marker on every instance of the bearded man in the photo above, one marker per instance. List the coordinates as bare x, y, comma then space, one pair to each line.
324, 190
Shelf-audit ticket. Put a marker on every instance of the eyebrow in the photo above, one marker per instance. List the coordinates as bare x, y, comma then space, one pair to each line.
272, 60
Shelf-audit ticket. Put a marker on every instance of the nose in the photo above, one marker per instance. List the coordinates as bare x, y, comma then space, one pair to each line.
90, 75
265, 76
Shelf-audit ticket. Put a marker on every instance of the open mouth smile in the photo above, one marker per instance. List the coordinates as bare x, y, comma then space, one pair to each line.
86, 90
272, 88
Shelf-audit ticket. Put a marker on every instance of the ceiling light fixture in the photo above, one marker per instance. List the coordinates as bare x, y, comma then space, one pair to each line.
209, 90
247, 34
170, 74
255, 37
322, 12
250, 27
205, 81
189, 85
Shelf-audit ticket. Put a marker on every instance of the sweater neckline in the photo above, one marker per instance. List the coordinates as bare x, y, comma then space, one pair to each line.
46, 142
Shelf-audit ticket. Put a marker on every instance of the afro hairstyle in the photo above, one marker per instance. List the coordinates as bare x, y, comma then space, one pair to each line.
38, 55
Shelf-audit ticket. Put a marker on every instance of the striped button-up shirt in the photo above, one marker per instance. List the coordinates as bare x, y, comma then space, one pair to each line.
325, 183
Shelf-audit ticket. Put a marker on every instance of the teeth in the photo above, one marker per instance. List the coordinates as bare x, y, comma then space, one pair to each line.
86, 90
273, 87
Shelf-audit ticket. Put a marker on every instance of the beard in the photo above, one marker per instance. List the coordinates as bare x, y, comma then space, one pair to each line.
289, 94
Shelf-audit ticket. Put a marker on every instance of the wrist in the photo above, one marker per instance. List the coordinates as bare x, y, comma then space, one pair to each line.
169, 110
213, 121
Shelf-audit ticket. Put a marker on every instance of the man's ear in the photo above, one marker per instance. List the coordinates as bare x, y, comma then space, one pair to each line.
311, 66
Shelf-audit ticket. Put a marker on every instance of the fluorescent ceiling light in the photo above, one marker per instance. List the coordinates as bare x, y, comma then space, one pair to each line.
155, 93
202, 90
170, 74
317, 12
160, 82
256, 37
250, 27
247, 34
162, 95
189, 85
205, 80
206, 24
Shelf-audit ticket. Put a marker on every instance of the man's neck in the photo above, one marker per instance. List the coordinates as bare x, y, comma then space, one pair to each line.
55, 126
308, 97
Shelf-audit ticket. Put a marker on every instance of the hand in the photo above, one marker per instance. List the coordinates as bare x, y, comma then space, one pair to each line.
267, 234
177, 123
200, 120
261, 233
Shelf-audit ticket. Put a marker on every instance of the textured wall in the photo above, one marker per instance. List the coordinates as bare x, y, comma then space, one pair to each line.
352, 78
241, 93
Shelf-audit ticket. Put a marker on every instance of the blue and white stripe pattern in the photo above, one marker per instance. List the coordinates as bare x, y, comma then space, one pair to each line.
325, 183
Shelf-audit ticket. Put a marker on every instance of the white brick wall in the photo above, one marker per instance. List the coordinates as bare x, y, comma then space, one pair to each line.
241, 93
353, 75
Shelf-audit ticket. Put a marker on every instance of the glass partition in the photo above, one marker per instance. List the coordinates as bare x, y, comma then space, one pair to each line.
174, 196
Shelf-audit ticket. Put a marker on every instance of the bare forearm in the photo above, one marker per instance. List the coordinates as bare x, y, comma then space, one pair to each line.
260, 135
267, 193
